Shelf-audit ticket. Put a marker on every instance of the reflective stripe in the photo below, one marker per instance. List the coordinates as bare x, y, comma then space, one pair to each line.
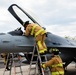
39, 32
45, 49
39, 44
33, 28
43, 32
58, 73
55, 50
41, 51
60, 65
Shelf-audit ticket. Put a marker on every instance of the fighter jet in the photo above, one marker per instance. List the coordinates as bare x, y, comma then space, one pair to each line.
15, 41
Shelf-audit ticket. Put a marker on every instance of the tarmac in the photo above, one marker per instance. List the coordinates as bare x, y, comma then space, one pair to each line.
24, 71
16, 70
70, 70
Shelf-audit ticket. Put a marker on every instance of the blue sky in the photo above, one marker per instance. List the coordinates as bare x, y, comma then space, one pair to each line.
58, 16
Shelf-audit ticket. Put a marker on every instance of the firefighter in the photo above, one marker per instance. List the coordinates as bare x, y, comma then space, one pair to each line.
55, 63
39, 33
5, 55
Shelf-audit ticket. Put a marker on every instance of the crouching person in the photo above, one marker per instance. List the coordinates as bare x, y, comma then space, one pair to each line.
55, 64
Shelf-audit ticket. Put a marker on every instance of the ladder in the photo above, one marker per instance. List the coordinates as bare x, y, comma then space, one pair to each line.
38, 63
12, 63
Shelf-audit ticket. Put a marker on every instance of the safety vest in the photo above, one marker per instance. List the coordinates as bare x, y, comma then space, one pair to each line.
38, 32
57, 65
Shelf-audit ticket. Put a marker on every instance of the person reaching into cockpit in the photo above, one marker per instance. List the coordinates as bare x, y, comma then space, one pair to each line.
38, 33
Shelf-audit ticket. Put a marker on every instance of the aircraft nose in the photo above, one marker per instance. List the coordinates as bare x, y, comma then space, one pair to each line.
5, 42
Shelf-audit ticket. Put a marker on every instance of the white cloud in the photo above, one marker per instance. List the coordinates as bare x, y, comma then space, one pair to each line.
61, 30
59, 16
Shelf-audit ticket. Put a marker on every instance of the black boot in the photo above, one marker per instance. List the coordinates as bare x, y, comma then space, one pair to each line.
42, 53
46, 52
7, 68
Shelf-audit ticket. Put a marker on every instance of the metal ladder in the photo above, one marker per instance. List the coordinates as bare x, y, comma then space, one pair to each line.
38, 63
12, 63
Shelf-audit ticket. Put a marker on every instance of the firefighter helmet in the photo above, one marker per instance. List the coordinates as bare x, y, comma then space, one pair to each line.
55, 51
25, 23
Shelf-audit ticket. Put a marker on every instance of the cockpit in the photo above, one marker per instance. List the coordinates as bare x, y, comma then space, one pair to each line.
21, 16
17, 31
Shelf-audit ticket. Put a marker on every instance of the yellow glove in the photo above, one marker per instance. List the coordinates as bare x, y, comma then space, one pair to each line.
43, 66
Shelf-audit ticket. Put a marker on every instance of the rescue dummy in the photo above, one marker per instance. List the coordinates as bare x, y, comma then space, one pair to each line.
55, 64
38, 33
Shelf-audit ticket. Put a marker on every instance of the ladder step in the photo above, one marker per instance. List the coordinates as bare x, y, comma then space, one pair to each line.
40, 60
29, 53
12, 63
35, 55
33, 68
34, 62
44, 62
42, 55
18, 66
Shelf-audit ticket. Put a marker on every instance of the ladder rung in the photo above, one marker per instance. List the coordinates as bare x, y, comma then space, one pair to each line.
42, 55
29, 53
18, 66
35, 55
40, 59
33, 68
44, 62
11, 62
34, 62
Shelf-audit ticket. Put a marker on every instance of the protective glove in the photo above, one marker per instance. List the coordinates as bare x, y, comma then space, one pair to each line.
43, 66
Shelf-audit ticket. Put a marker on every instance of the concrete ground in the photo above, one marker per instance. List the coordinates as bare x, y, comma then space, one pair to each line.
24, 70
71, 70
24, 67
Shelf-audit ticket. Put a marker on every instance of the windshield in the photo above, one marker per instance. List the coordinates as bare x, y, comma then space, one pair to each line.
24, 17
